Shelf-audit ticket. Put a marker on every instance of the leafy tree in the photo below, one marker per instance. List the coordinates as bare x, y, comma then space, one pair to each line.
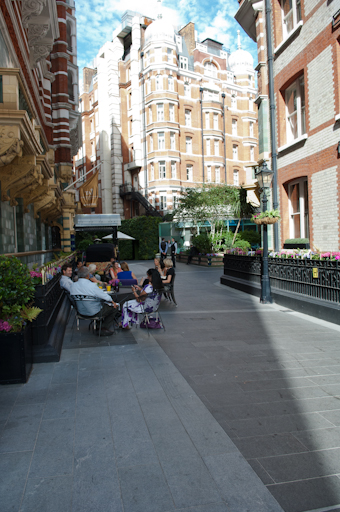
240, 207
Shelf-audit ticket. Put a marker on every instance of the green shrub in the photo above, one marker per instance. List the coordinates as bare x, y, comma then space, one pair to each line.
297, 241
242, 244
202, 242
16, 292
251, 236
145, 231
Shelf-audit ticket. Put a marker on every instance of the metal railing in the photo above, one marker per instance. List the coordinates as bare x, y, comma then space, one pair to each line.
318, 279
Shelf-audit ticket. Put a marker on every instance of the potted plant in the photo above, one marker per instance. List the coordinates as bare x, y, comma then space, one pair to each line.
266, 217
16, 313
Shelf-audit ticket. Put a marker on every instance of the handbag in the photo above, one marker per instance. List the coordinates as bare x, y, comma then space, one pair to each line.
154, 323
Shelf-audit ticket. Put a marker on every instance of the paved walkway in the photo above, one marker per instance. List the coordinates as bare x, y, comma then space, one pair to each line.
234, 406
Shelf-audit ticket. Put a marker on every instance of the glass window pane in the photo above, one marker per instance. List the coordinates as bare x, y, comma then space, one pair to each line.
295, 198
296, 224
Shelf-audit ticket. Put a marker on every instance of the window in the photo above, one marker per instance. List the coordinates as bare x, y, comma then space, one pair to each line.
235, 152
207, 121
150, 114
171, 112
251, 129
171, 83
252, 156
233, 102
189, 172
187, 93
236, 178
160, 112
188, 145
82, 173
161, 140
187, 117
162, 202
174, 201
173, 170
159, 83
216, 147
234, 127
215, 121
209, 173
93, 149
251, 104
208, 147
172, 140
210, 69
298, 209
169, 53
151, 143
158, 54
295, 109
217, 175
183, 62
291, 15
152, 172
161, 170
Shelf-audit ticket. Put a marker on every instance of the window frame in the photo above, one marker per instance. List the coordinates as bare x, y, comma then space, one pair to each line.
183, 62
236, 175
160, 112
294, 12
173, 141
189, 172
303, 213
162, 169
188, 145
172, 112
300, 110
161, 140
187, 117
173, 170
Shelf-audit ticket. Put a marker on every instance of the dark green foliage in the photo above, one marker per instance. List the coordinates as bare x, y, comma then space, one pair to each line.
145, 230
297, 241
202, 242
126, 249
251, 236
16, 287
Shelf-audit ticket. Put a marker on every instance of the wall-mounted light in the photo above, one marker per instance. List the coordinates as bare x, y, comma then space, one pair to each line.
339, 148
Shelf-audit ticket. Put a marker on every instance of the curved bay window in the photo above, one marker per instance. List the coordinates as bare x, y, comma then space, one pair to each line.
210, 69
298, 208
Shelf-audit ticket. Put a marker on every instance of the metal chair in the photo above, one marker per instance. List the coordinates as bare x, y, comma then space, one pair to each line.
151, 309
88, 299
169, 292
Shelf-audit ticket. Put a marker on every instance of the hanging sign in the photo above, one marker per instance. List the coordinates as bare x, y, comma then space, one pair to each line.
88, 192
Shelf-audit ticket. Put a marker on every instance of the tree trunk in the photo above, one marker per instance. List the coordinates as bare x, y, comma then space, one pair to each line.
237, 228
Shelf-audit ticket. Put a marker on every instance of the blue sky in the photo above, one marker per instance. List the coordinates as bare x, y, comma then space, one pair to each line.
97, 19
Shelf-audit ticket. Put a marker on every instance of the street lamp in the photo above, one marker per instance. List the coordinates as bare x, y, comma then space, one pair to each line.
264, 178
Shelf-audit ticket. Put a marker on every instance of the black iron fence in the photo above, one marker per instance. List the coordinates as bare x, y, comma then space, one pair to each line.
319, 279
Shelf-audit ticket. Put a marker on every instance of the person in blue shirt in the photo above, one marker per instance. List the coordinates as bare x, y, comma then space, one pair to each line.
163, 248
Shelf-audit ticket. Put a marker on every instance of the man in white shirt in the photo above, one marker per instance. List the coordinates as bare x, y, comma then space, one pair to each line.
85, 287
66, 281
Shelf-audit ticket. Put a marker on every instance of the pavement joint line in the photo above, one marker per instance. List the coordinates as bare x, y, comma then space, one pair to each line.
327, 509
214, 311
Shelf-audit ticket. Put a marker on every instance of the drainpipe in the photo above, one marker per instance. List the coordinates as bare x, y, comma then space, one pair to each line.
272, 115
201, 101
144, 131
225, 158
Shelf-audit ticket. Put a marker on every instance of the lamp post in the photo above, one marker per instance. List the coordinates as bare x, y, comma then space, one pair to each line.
264, 177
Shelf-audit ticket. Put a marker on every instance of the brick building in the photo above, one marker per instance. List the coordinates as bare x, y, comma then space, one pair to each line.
39, 124
306, 38
162, 111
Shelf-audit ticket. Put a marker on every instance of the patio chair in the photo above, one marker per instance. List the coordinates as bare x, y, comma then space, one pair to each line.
151, 309
169, 292
88, 299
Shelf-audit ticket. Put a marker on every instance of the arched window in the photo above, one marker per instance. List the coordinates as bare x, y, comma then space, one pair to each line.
210, 69
69, 36
70, 86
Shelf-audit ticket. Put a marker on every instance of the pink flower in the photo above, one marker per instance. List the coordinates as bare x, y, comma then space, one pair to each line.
5, 326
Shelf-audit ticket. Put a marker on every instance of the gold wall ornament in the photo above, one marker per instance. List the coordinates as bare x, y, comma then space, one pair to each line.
26, 185
14, 172
10, 145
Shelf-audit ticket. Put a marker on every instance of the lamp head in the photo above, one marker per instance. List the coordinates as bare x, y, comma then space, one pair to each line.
264, 176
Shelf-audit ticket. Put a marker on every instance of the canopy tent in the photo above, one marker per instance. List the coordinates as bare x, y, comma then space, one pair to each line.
120, 236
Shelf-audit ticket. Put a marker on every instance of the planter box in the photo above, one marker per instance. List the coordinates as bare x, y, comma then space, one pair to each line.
49, 328
296, 246
16, 356
205, 261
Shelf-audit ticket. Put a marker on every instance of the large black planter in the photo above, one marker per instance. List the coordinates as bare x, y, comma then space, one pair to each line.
16, 356
49, 328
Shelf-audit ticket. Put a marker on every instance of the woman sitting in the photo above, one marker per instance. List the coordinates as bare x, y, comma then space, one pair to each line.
169, 274
95, 278
151, 291
126, 272
107, 276
114, 271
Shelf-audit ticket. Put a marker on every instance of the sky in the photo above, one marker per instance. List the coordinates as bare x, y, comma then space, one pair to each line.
97, 19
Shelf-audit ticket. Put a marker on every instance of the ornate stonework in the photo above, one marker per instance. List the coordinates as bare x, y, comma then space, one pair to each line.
10, 145
31, 8
14, 172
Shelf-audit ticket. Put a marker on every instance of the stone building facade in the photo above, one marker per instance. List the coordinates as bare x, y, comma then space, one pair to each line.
168, 112
306, 37
39, 124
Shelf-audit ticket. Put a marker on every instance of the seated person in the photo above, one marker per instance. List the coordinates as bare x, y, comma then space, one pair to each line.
114, 271
65, 280
107, 277
169, 273
126, 272
151, 291
95, 278
79, 264
85, 287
